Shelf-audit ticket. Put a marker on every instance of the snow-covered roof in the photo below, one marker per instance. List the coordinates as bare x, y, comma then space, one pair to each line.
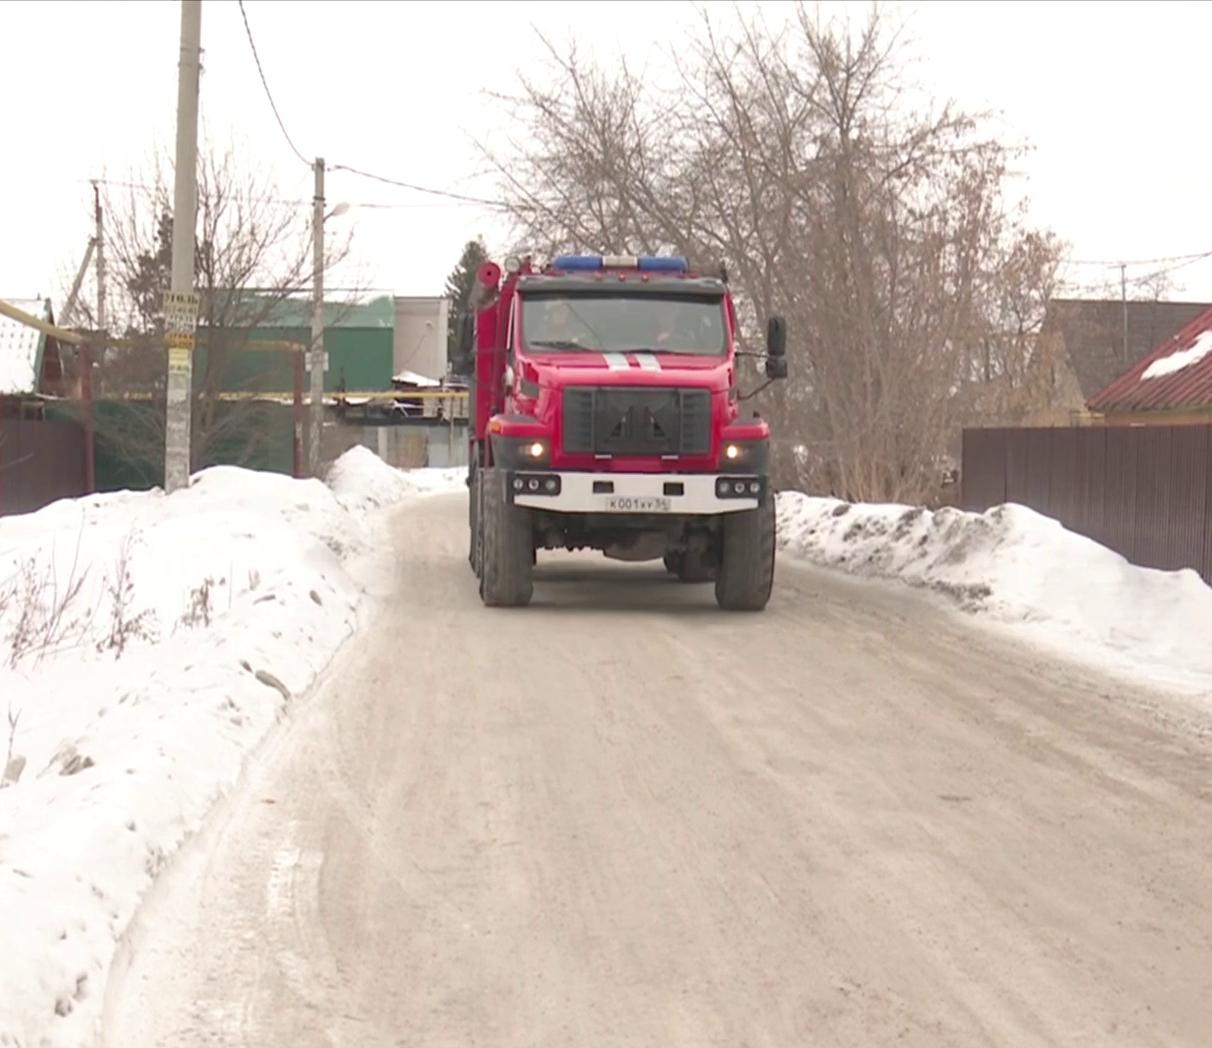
21, 349
1182, 358
411, 378
1177, 374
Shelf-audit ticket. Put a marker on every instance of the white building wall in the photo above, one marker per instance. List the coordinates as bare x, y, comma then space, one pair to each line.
420, 336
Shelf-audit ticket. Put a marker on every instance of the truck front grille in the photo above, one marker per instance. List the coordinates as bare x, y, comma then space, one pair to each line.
607, 420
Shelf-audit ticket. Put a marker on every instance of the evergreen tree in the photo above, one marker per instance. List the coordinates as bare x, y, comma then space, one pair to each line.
458, 289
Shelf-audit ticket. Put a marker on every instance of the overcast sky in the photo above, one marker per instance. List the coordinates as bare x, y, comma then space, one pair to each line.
1112, 96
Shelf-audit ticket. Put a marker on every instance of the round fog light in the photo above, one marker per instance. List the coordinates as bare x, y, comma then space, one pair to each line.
517, 484
739, 487
722, 487
755, 487
551, 484
533, 485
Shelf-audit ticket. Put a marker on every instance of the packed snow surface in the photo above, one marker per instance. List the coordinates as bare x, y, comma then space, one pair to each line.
148, 643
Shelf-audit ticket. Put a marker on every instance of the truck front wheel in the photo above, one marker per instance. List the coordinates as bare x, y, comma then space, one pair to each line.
506, 546
746, 573
473, 520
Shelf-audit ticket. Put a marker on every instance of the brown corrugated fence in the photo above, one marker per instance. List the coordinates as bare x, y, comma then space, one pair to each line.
40, 461
1145, 492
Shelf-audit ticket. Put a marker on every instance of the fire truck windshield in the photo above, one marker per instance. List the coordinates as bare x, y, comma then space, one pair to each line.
623, 323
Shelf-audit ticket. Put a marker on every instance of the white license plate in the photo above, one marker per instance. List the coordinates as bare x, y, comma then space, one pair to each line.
638, 504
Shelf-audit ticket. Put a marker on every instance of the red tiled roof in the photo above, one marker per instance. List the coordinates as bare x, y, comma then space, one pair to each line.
1186, 387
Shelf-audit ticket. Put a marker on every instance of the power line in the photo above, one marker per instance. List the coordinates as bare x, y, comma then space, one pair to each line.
265, 84
420, 189
1180, 262
370, 204
1139, 261
1191, 260
461, 197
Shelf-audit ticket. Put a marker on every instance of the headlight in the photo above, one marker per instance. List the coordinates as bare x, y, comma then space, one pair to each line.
536, 450
745, 456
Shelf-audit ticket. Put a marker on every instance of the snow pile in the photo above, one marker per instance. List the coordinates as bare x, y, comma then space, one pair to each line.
147, 644
1022, 569
362, 481
1184, 358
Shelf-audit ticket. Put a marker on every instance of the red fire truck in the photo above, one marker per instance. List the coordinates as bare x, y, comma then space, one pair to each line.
606, 415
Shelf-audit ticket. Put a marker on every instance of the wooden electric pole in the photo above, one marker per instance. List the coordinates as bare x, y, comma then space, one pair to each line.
99, 257
181, 304
317, 323
1123, 297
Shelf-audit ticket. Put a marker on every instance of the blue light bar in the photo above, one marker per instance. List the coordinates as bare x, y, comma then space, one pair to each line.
648, 264
577, 262
671, 264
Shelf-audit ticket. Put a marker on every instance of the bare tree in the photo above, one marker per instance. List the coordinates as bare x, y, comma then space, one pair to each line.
796, 159
253, 254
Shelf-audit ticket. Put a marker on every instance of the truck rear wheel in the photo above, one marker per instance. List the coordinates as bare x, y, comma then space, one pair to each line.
506, 546
746, 573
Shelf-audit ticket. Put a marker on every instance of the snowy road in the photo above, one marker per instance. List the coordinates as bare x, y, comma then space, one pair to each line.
621, 817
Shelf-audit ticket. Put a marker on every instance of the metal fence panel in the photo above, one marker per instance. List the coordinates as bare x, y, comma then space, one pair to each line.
1145, 492
983, 469
1190, 497
1017, 471
1091, 470
1206, 569
1039, 470
1152, 524
1063, 488
40, 461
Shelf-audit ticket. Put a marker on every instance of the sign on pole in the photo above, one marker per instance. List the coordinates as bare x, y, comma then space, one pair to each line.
180, 330
181, 318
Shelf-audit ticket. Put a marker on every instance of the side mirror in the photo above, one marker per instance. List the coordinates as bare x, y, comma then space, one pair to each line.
776, 337
776, 348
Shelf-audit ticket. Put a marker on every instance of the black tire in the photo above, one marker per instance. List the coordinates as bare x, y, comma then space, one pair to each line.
506, 546
746, 574
473, 520
690, 567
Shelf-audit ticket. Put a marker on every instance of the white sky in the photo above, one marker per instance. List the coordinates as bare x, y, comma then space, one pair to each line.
1112, 96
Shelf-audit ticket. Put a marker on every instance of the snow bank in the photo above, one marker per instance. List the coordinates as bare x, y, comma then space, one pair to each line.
362, 481
1024, 570
147, 644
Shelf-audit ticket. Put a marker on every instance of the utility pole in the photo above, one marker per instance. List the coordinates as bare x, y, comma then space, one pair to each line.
181, 305
1123, 297
99, 235
86, 350
317, 322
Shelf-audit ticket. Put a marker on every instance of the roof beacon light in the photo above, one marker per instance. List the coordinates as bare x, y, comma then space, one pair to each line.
646, 264
577, 262
667, 264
